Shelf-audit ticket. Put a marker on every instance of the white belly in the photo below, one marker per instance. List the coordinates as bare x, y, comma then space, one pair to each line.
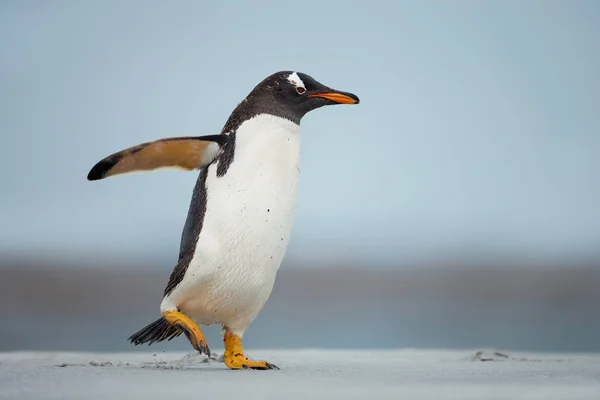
247, 226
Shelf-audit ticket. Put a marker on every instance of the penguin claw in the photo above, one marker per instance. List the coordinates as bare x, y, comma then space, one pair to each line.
272, 366
260, 366
203, 348
199, 344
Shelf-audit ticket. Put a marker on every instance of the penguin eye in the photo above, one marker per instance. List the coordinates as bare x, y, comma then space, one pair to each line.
300, 90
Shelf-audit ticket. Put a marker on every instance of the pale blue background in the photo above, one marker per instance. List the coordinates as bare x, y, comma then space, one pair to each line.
478, 129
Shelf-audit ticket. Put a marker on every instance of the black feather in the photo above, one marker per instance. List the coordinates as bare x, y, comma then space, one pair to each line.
102, 167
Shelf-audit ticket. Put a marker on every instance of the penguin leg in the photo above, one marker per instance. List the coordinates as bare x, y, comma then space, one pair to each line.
191, 330
234, 354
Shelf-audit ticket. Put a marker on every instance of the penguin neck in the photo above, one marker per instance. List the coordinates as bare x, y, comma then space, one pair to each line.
267, 141
253, 106
263, 129
258, 130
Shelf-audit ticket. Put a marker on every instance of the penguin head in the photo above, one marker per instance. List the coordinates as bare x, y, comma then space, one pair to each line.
293, 94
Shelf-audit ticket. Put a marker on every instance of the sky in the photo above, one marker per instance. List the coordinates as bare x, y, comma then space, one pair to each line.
477, 128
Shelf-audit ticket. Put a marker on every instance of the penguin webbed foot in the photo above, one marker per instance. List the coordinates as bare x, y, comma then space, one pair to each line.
190, 329
201, 346
241, 362
234, 355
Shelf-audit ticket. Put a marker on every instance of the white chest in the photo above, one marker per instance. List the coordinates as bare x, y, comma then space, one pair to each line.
247, 224
250, 210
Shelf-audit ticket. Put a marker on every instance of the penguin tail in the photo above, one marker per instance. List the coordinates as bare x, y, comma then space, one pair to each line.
157, 331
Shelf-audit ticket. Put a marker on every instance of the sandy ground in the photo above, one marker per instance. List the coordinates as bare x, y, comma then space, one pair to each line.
304, 374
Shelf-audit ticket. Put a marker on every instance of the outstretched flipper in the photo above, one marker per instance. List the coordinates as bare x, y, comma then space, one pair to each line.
188, 153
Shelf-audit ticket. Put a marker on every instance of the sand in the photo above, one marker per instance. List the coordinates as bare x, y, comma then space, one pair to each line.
304, 374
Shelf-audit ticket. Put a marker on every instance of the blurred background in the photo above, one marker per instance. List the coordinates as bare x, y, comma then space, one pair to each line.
455, 207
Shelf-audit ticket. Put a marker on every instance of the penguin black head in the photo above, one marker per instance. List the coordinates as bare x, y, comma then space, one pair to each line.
292, 94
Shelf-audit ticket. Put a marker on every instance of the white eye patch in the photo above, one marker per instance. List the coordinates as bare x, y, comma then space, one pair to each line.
295, 80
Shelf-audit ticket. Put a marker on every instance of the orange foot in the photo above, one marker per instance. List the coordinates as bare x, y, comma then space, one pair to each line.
191, 330
234, 355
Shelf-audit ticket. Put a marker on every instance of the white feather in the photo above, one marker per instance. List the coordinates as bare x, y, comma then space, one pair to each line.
211, 152
246, 230
295, 80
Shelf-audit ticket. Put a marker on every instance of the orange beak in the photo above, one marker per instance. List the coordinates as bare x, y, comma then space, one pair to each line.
338, 97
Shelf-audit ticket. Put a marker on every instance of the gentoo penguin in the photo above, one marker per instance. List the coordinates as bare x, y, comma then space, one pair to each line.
241, 213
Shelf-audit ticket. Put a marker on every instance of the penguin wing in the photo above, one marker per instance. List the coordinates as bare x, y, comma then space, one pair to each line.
187, 153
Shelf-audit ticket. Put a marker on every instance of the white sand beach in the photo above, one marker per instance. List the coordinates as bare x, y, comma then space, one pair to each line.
304, 374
